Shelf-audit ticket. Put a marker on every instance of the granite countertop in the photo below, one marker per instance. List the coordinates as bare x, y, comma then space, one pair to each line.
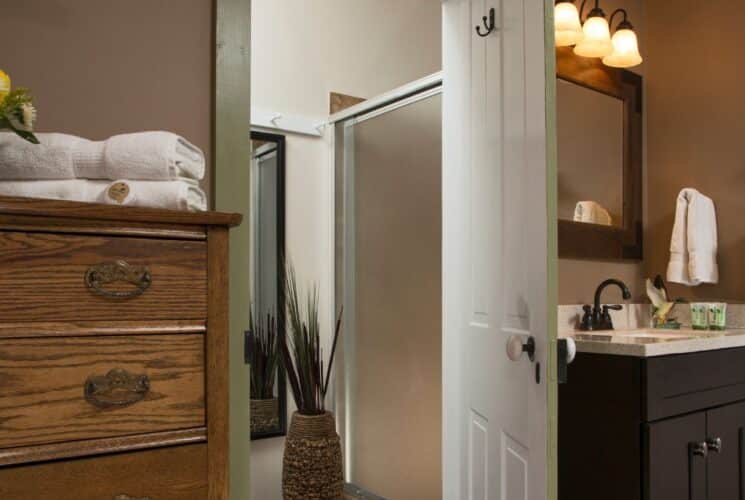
648, 342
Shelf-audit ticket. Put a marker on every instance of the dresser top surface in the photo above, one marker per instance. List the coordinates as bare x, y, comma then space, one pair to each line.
95, 211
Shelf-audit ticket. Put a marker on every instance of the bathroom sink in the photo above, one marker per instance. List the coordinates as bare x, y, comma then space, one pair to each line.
634, 336
655, 335
649, 342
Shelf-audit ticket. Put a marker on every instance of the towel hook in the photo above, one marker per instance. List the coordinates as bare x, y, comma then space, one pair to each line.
489, 24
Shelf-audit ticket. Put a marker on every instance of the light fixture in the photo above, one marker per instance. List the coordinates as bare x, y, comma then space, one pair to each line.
625, 45
596, 41
568, 28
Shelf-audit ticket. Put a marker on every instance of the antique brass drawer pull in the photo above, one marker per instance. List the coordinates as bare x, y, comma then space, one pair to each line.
115, 389
104, 273
127, 497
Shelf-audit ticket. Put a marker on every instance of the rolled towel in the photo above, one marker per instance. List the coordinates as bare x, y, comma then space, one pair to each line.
52, 159
592, 212
151, 156
175, 195
142, 155
72, 189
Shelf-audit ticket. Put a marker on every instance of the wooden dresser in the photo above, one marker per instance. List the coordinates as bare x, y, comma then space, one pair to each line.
113, 352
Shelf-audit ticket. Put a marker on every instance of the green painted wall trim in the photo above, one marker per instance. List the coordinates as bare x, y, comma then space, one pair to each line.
231, 194
552, 487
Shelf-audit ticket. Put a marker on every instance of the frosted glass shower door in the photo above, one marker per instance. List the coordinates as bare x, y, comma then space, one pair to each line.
389, 269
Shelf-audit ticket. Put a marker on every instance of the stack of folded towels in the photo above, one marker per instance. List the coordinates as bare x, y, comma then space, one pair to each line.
145, 169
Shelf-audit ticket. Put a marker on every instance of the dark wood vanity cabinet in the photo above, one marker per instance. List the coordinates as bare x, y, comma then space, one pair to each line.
663, 428
672, 466
706, 447
725, 473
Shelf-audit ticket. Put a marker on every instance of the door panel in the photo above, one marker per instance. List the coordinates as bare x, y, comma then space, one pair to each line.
495, 258
725, 467
478, 446
672, 471
515, 459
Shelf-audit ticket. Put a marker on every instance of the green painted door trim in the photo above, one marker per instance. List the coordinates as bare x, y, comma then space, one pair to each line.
553, 253
231, 188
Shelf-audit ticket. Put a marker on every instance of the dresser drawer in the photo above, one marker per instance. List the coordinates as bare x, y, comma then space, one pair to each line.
178, 473
52, 277
72, 388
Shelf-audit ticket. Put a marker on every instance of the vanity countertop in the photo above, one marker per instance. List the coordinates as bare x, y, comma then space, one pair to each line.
649, 342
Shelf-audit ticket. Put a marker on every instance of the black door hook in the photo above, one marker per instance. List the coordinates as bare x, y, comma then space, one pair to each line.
488, 24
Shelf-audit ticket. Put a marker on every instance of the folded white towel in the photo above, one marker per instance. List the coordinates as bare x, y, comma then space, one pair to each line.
175, 195
72, 189
142, 155
52, 159
152, 156
693, 245
592, 212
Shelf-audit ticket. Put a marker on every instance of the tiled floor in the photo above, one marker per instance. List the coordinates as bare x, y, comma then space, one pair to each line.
351, 492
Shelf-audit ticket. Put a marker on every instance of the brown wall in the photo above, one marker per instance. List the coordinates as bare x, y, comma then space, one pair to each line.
579, 278
696, 130
103, 67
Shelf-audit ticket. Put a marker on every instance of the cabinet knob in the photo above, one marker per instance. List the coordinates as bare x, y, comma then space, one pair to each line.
699, 449
714, 444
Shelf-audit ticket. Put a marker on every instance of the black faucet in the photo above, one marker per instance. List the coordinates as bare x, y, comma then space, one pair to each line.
597, 318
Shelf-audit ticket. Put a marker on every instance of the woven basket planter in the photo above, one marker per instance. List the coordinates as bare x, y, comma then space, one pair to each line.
264, 415
312, 467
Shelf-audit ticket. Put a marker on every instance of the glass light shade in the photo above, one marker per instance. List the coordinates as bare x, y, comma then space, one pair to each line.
596, 42
625, 50
568, 27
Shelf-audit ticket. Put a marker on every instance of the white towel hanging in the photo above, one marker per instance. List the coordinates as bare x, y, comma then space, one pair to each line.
693, 245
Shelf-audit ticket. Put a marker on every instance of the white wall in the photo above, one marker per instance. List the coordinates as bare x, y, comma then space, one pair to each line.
301, 51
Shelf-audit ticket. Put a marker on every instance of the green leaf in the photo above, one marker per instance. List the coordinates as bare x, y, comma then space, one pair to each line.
8, 122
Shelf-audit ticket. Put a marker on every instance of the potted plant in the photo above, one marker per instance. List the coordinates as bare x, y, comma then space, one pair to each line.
264, 359
312, 462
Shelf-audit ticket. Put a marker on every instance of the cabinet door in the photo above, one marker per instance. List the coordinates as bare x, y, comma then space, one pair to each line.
673, 471
725, 466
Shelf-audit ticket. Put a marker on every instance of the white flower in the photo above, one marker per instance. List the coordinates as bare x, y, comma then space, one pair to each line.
28, 116
657, 296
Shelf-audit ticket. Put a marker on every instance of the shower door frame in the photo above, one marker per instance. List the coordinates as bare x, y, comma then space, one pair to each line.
343, 123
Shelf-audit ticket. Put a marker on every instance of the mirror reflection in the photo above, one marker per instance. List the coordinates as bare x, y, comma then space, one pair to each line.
268, 394
590, 142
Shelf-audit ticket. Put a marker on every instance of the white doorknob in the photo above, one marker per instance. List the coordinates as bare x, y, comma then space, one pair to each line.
571, 350
517, 345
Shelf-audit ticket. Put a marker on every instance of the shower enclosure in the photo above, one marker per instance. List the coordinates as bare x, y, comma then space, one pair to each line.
388, 279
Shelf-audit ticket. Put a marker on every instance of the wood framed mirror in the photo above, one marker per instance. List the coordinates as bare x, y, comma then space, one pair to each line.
599, 142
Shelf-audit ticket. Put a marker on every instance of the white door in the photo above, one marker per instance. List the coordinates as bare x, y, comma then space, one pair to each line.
497, 440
